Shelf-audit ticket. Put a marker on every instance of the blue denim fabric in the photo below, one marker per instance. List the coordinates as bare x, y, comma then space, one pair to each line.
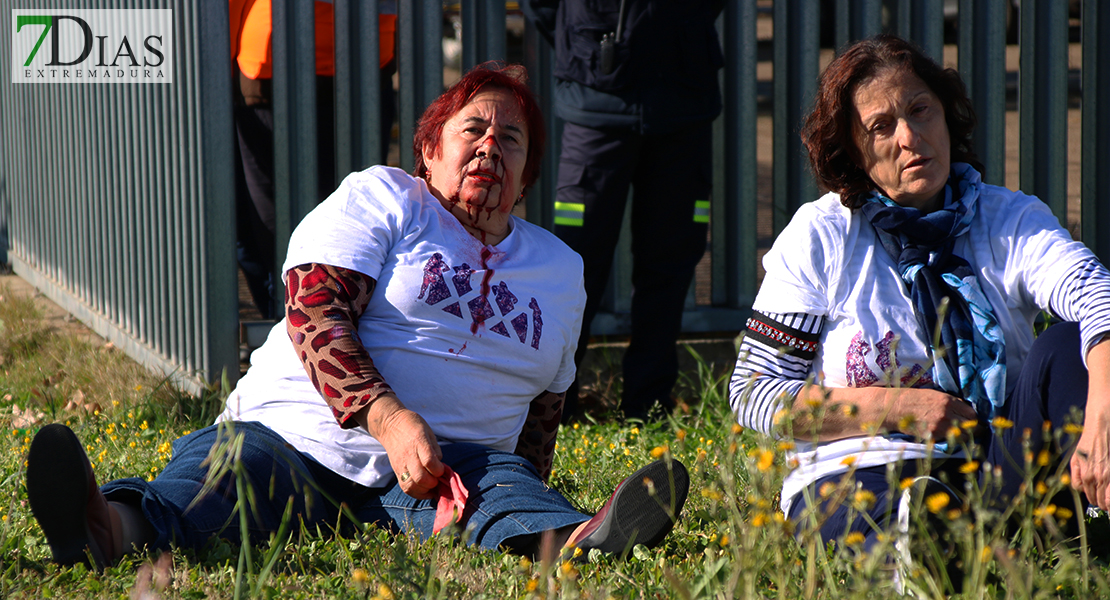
509, 503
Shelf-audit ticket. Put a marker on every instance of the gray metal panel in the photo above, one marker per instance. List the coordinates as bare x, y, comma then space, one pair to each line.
795, 83
358, 131
294, 97
735, 199
483, 32
1095, 142
982, 64
121, 192
1043, 103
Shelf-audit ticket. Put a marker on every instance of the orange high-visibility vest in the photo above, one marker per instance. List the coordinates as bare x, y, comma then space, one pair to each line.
251, 33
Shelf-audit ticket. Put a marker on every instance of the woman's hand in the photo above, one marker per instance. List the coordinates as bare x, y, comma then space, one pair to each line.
915, 411
927, 413
1090, 463
413, 450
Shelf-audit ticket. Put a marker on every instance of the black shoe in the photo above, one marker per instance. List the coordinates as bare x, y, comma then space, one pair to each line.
642, 510
66, 501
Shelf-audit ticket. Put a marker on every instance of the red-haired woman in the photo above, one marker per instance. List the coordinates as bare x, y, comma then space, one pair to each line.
896, 317
416, 380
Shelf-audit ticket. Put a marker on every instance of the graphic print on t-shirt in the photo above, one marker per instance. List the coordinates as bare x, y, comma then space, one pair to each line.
860, 374
461, 299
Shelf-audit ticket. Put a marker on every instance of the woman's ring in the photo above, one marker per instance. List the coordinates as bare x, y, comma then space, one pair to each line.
405, 476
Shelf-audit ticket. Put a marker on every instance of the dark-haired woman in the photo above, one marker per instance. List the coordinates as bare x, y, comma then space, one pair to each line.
910, 243
417, 378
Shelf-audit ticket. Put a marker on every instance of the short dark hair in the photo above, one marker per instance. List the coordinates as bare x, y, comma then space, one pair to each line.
513, 79
828, 132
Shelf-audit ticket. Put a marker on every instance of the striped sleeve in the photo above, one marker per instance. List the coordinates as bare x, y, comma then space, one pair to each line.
775, 356
1083, 295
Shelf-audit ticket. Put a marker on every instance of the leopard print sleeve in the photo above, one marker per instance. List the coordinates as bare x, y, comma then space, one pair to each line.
541, 426
322, 307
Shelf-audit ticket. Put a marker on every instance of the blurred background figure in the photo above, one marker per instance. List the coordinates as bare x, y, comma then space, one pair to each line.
251, 33
636, 83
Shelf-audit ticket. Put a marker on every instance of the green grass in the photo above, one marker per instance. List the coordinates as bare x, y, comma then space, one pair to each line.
731, 543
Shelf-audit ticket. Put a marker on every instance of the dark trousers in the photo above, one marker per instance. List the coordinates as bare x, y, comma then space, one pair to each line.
668, 173
1052, 384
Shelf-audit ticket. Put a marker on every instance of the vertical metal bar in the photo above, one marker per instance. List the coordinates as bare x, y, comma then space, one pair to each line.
294, 90
982, 64
1043, 103
921, 21
856, 20
483, 32
539, 204
409, 65
220, 282
795, 83
1096, 128
358, 90
735, 174
421, 65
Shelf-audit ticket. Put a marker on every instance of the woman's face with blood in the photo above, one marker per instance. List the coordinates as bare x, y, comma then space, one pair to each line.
476, 170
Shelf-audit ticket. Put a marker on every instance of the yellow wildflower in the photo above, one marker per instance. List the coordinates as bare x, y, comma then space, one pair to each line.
826, 489
1002, 423
766, 459
969, 424
1043, 458
759, 519
937, 502
360, 577
659, 451
1073, 429
680, 434
854, 539
736, 429
848, 461
969, 467
863, 499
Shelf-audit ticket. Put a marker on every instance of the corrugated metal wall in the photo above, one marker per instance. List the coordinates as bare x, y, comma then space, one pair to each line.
122, 196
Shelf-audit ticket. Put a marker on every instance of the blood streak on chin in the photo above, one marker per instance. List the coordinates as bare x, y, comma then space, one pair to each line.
484, 290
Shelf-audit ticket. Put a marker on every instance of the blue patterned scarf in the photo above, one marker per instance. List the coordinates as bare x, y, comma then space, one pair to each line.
973, 362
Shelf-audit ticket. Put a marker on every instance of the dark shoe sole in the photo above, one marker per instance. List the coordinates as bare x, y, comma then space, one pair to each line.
640, 512
58, 491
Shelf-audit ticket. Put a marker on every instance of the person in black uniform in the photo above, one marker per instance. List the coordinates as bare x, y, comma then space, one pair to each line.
636, 83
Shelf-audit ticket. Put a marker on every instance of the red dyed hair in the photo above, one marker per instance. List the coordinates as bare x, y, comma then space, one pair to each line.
828, 132
511, 78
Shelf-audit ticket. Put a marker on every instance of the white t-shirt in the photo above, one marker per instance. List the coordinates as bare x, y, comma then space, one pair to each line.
465, 334
829, 261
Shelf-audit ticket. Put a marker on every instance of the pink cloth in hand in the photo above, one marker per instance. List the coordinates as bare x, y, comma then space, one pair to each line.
452, 497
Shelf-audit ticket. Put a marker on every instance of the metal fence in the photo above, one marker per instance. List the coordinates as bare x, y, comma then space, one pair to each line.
122, 196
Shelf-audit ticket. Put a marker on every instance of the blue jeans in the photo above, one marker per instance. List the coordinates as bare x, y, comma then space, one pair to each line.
509, 505
1052, 383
